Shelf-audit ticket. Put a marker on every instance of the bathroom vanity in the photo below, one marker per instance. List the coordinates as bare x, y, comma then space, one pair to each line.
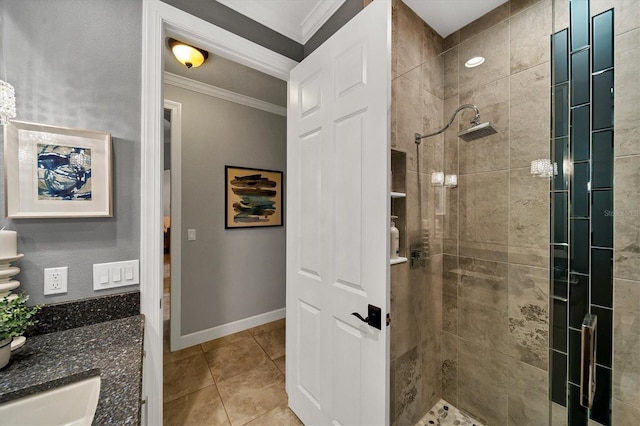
110, 349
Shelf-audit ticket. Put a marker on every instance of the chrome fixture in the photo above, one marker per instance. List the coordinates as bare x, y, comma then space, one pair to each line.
478, 130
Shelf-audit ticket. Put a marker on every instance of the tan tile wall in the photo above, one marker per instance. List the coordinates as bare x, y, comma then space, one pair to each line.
496, 279
491, 247
416, 292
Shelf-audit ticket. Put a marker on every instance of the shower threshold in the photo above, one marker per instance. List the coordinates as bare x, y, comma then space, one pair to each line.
445, 414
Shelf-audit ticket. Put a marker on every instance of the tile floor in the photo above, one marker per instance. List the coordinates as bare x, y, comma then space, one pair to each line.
445, 414
234, 380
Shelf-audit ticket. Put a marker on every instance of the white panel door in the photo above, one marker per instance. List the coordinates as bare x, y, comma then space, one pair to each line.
338, 225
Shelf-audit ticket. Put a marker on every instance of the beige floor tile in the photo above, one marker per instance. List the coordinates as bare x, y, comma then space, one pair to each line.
186, 376
264, 328
203, 407
272, 342
252, 394
281, 416
236, 358
224, 341
169, 357
281, 364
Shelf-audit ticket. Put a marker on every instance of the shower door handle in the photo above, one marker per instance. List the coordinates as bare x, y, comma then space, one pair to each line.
374, 319
588, 360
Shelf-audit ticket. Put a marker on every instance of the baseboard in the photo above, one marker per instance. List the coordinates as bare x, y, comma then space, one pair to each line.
226, 329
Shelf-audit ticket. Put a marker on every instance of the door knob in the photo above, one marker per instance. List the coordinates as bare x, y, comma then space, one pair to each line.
374, 319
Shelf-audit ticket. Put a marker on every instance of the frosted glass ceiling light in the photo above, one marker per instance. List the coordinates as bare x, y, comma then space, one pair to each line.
474, 62
186, 54
7, 102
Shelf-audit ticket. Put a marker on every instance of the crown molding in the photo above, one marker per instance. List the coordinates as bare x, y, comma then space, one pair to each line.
227, 95
300, 32
318, 17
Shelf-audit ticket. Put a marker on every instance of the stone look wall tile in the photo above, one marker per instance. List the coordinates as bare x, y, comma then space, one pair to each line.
626, 342
560, 15
450, 368
627, 218
627, 87
493, 45
409, 32
483, 382
407, 390
518, 6
529, 315
529, 124
408, 112
491, 152
528, 399
529, 214
488, 20
484, 208
450, 79
530, 32
450, 294
483, 302
624, 414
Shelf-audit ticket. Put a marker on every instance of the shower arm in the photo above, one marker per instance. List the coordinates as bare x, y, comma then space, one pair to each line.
475, 122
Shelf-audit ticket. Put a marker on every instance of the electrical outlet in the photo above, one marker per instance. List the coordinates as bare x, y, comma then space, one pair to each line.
55, 280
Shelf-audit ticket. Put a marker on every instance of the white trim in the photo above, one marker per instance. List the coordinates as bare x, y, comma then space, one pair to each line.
176, 220
158, 21
318, 17
220, 93
300, 32
229, 328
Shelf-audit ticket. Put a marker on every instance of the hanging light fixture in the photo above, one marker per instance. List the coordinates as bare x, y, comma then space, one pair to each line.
7, 102
7, 92
187, 55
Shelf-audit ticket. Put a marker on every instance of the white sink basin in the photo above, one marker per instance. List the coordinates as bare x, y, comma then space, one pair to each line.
73, 404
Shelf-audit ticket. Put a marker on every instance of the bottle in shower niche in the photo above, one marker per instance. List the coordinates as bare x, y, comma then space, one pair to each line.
395, 239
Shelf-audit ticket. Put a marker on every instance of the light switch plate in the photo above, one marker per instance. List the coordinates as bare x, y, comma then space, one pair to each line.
116, 274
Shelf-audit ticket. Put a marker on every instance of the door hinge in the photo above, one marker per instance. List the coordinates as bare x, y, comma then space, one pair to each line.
161, 303
388, 320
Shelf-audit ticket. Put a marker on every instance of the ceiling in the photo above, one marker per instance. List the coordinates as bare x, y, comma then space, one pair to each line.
300, 19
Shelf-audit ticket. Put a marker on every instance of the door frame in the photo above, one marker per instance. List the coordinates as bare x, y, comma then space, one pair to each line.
175, 247
160, 20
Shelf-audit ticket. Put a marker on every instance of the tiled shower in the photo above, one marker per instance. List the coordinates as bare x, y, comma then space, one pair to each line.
479, 322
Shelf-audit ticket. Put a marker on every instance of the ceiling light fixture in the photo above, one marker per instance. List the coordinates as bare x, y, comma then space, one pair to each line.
187, 55
474, 62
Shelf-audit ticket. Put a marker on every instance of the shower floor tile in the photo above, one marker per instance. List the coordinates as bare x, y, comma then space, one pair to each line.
445, 414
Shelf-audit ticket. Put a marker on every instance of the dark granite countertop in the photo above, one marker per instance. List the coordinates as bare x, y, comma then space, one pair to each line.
111, 349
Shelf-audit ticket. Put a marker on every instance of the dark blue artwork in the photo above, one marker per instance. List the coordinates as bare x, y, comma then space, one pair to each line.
257, 198
64, 173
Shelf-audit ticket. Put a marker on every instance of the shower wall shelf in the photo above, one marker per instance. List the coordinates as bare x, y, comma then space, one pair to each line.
398, 200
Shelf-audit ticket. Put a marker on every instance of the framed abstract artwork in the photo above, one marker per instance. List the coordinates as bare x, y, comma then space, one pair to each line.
253, 198
56, 172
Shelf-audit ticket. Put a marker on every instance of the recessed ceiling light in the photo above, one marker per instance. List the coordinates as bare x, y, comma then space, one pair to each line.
474, 62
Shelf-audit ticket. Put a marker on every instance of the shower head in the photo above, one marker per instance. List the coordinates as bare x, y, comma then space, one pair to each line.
478, 131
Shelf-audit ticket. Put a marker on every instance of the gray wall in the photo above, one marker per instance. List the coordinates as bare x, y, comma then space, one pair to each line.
227, 18
76, 63
227, 275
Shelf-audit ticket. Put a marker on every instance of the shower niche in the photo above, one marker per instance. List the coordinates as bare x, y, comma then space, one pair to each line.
398, 194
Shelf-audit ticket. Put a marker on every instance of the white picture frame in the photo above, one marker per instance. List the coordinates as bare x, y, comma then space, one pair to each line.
56, 172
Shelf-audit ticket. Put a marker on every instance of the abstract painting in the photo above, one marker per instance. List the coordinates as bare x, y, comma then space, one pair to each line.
253, 198
57, 172
64, 173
